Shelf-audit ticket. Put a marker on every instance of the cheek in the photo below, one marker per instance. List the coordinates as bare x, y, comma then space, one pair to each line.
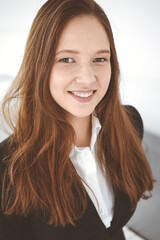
105, 77
54, 85
56, 82
60, 77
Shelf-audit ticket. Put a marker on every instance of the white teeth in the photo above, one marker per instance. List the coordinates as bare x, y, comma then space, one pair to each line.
85, 95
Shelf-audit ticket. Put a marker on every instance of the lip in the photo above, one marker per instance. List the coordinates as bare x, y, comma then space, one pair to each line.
81, 99
83, 91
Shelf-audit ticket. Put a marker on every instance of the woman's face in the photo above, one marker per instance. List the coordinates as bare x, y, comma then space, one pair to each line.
81, 71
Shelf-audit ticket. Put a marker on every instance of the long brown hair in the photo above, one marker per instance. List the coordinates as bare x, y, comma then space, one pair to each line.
39, 176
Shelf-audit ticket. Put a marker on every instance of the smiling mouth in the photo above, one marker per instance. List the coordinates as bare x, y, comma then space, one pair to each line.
82, 94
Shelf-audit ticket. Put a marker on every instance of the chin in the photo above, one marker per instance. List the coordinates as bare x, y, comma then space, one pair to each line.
81, 115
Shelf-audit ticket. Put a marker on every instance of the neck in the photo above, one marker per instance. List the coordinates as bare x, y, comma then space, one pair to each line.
82, 127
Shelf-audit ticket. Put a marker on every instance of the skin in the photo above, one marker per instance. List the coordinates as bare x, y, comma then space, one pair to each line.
81, 68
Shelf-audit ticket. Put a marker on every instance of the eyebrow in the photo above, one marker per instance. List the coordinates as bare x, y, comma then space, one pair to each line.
76, 52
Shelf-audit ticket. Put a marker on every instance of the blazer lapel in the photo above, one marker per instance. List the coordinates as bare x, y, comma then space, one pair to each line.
93, 223
122, 214
122, 210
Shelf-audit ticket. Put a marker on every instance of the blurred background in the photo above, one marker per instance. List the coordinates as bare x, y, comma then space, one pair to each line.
136, 29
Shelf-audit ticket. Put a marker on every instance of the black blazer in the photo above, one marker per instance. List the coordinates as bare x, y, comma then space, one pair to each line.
89, 227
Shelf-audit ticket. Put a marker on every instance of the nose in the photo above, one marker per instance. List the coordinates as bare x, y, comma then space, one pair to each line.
85, 75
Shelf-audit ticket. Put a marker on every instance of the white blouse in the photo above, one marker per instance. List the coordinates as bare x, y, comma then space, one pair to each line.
86, 165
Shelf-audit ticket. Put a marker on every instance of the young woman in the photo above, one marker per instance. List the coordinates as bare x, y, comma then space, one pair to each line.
74, 167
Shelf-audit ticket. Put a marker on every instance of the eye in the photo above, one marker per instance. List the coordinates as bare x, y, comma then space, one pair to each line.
66, 60
100, 60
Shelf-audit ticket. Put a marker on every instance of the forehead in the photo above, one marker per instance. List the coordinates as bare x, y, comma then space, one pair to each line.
83, 32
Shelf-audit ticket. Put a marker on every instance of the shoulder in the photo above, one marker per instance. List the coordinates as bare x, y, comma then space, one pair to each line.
4, 149
135, 118
4, 154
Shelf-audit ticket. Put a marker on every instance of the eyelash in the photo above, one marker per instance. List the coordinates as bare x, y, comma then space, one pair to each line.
65, 60
105, 60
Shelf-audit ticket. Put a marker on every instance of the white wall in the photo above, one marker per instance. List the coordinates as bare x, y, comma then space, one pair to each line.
16, 17
136, 30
